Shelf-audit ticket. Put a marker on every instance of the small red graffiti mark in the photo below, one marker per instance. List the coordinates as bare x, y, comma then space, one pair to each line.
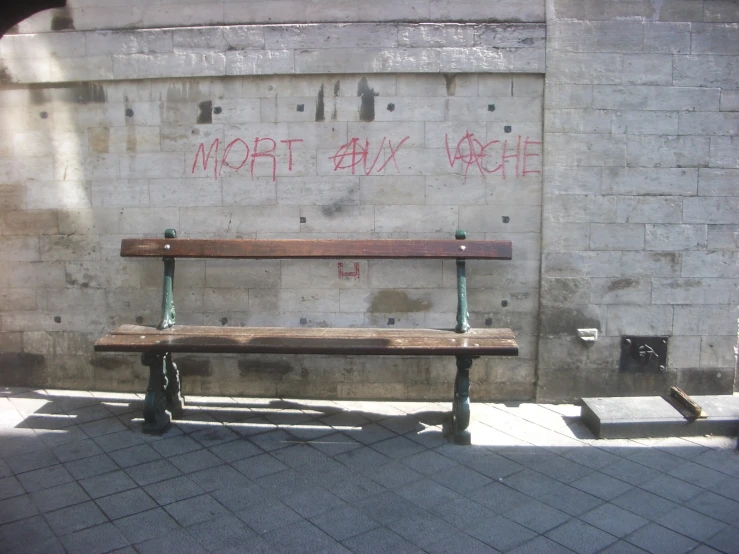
471, 152
353, 153
241, 154
347, 274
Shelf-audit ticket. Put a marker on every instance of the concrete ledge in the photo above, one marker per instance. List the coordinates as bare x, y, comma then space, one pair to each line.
273, 50
653, 416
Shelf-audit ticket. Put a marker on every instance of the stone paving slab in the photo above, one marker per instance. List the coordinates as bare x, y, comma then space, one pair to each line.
274, 475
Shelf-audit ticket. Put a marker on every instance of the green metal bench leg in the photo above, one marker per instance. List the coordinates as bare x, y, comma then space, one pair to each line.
461, 406
156, 417
175, 402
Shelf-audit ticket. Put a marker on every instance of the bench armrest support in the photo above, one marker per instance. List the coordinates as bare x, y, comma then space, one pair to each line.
463, 317
168, 310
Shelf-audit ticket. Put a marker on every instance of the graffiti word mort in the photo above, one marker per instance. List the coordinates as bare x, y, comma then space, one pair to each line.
354, 154
492, 157
237, 153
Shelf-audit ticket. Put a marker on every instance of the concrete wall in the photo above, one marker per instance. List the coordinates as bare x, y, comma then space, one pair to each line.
640, 193
120, 121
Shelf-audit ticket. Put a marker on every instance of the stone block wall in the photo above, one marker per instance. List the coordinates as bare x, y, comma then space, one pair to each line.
595, 135
240, 131
641, 187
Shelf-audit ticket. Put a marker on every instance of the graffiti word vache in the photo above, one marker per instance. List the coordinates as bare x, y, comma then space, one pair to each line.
492, 157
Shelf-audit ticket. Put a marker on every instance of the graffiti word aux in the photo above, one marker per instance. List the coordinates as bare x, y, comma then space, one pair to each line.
237, 153
492, 157
354, 154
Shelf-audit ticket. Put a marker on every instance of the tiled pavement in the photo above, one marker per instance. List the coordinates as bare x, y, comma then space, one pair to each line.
260, 475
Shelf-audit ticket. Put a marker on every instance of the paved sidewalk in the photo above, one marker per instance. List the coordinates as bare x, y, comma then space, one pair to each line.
260, 475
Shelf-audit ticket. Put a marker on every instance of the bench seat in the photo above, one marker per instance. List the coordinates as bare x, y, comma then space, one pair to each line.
300, 340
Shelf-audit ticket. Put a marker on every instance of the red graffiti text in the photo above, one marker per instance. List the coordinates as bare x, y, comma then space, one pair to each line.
353, 154
492, 157
237, 153
349, 274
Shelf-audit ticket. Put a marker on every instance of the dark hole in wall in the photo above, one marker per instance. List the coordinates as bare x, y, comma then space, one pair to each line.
206, 112
320, 107
451, 83
367, 108
5, 76
62, 20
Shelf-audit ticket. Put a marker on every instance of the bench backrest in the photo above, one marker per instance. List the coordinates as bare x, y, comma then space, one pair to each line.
289, 248
171, 247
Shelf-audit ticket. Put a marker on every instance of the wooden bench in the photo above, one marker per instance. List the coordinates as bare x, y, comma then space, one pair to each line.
157, 344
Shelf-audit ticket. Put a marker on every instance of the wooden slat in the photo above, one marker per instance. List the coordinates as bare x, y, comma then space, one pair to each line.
278, 340
294, 248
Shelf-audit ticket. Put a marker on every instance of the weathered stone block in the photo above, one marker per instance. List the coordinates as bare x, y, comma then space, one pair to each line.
724, 152
566, 320
146, 220
651, 264
616, 237
498, 218
187, 192
715, 38
667, 151
120, 193
666, 38
675, 237
245, 274
723, 237
729, 100
571, 208
582, 264
42, 222
645, 123
718, 352
713, 123
68, 248
568, 96
572, 150
665, 209
404, 274
565, 291
709, 264
585, 68
640, 320
714, 210
678, 97
479, 10
705, 71
705, 320
510, 35
650, 181
577, 121
435, 35
597, 36
623, 290
148, 41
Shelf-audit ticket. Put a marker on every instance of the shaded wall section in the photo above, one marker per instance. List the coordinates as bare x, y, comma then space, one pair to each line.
640, 194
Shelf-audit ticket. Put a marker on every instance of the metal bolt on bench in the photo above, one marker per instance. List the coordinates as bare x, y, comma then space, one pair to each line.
163, 398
